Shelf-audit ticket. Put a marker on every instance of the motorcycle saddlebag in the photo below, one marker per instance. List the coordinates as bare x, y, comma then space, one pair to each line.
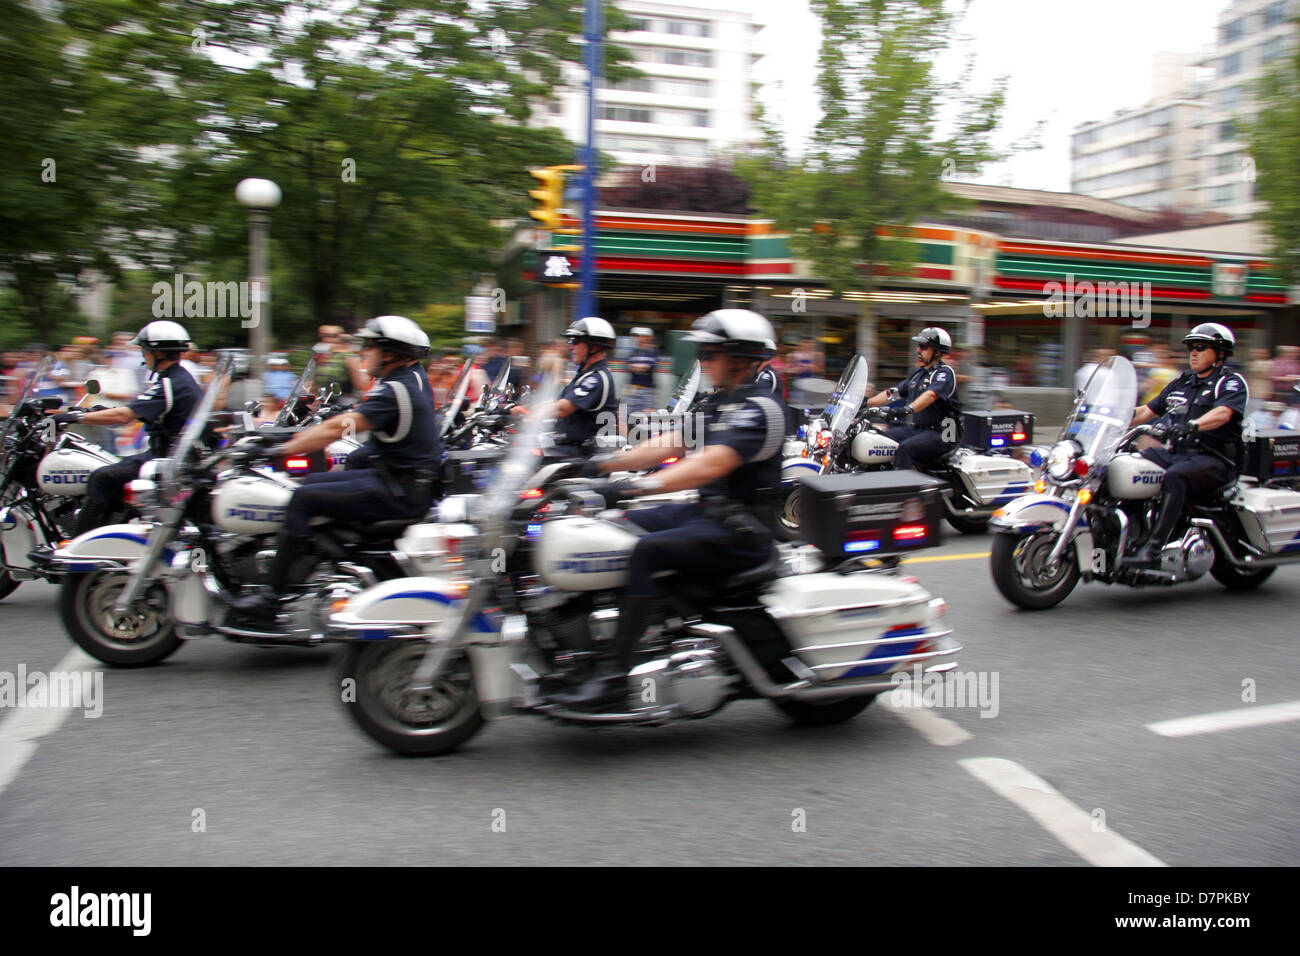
997, 431
468, 472
870, 515
1273, 454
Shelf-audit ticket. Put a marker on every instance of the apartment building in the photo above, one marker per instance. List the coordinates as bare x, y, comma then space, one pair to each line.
695, 100
1252, 35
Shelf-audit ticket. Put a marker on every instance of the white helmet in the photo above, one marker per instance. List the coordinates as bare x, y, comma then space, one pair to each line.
593, 330
396, 333
935, 338
163, 336
736, 332
1220, 337
642, 330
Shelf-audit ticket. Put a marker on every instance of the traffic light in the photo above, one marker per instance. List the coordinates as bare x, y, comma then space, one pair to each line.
550, 194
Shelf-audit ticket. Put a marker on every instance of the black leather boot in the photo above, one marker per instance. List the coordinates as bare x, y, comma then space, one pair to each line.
288, 569
607, 688
94, 513
1149, 553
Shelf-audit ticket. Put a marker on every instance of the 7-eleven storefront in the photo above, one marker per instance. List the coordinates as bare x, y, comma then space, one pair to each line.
1029, 307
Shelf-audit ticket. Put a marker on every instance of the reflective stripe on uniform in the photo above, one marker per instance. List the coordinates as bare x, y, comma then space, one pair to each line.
404, 417
775, 427
168, 398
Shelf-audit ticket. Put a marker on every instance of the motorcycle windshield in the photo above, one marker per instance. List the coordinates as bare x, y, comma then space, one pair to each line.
458, 391
300, 387
523, 458
847, 399
198, 419
686, 390
38, 373
1103, 411
502, 379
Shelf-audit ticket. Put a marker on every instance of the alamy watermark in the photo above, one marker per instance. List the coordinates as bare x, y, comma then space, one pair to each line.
198, 300
1102, 300
73, 690
974, 689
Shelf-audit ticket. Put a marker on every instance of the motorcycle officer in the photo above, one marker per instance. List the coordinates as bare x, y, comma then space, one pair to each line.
591, 394
399, 463
737, 471
931, 396
164, 408
1204, 408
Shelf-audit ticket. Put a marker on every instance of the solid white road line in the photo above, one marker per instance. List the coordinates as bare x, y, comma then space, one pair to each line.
1057, 815
938, 730
25, 725
1251, 716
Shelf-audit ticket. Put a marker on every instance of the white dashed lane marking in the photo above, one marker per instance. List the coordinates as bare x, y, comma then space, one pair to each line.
20, 730
1057, 815
938, 730
1252, 716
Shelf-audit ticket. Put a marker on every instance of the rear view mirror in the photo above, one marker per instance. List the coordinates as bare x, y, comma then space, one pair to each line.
92, 386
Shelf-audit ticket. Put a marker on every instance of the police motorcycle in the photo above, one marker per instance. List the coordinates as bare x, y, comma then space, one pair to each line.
519, 586
487, 420
1096, 502
132, 593
301, 408
847, 438
44, 468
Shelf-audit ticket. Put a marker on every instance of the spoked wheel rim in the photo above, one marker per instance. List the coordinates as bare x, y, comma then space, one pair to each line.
449, 703
142, 625
1030, 559
789, 512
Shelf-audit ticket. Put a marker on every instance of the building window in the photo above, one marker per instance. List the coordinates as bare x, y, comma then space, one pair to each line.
1232, 31
640, 23
1227, 131
1275, 14
1271, 48
1230, 64
625, 114
1226, 164
1223, 194
1229, 98
555, 107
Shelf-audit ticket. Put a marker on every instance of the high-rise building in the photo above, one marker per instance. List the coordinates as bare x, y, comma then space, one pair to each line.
1145, 157
695, 100
1252, 35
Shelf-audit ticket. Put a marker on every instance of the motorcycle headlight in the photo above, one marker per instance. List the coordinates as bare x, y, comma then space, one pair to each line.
1060, 461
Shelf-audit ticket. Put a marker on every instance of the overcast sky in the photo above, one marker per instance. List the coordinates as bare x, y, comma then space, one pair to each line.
1069, 62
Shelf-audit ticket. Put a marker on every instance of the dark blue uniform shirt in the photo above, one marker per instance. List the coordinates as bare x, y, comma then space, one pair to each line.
752, 424
939, 379
165, 406
592, 390
641, 364
403, 430
1188, 397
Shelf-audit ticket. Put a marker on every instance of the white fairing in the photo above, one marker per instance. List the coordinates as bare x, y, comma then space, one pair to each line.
118, 542
873, 448
251, 505
818, 610
19, 533
1132, 476
422, 600
1271, 517
336, 453
584, 554
189, 600
65, 471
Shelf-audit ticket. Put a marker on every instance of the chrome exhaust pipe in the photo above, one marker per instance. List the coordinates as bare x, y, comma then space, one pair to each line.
1251, 563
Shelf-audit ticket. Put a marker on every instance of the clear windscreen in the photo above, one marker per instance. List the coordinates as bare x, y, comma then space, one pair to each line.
459, 389
847, 399
523, 459
300, 388
1104, 409
686, 390
194, 426
38, 373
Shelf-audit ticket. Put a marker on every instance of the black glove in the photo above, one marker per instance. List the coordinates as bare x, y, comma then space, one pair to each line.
70, 417
590, 467
1180, 431
897, 414
614, 490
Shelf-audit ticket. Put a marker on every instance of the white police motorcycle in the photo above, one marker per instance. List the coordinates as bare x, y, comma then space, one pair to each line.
1096, 500
519, 589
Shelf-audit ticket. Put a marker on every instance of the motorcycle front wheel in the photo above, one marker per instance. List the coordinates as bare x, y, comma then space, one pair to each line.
787, 515
142, 637
374, 681
1017, 563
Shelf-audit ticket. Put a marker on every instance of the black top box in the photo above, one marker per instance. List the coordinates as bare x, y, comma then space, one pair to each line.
1273, 453
997, 430
870, 515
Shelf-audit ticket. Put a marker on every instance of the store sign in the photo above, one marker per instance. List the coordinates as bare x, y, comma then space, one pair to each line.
1230, 279
479, 318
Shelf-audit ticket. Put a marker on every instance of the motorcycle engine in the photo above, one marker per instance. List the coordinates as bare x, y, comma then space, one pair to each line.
1189, 558
693, 679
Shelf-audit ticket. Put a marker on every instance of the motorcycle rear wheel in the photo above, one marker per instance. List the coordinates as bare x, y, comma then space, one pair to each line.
1235, 579
824, 713
414, 725
1016, 563
969, 525
7, 584
787, 515
144, 637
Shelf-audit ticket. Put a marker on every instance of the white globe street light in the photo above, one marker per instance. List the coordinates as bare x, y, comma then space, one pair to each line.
259, 197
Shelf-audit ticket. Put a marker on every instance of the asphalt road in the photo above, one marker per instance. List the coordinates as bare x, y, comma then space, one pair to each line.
231, 755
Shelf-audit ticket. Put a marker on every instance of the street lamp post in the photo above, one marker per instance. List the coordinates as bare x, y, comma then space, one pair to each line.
259, 197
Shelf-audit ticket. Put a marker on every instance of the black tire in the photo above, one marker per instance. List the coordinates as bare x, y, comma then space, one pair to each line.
1235, 579
816, 713
969, 525
7, 584
787, 514
86, 607
414, 728
1008, 564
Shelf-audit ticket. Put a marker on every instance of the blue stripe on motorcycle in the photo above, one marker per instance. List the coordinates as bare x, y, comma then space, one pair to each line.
885, 650
481, 623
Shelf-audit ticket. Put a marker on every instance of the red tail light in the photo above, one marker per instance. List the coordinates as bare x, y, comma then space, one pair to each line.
669, 461
296, 464
910, 532
531, 493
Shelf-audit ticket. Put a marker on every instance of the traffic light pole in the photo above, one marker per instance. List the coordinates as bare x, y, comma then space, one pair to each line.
592, 29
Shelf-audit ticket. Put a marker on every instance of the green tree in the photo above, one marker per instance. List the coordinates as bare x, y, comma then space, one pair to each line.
1275, 147
881, 151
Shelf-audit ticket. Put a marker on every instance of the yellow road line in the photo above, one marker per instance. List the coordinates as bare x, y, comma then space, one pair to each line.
949, 557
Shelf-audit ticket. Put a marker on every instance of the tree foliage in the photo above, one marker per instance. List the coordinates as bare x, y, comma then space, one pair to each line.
712, 188
882, 147
1275, 146
395, 129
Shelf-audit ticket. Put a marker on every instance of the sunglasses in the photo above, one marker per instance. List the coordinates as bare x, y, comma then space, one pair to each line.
1199, 346
708, 355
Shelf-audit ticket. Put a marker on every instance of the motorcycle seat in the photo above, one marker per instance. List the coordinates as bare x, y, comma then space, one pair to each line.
381, 530
743, 580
